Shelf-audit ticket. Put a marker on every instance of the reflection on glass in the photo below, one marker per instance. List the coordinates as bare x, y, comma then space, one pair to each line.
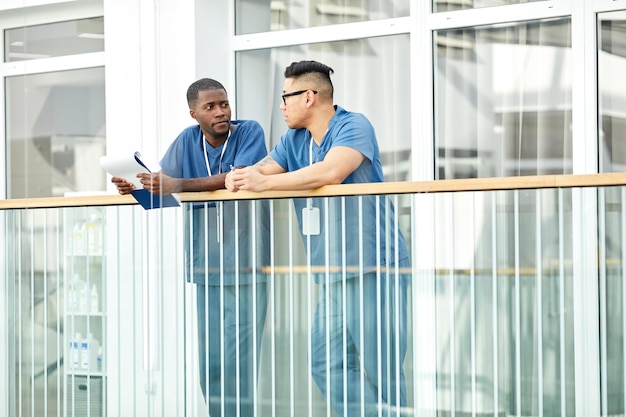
612, 240
54, 39
612, 91
503, 100
451, 5
55, 133
254, 16
504, 303
56, 294
371, 77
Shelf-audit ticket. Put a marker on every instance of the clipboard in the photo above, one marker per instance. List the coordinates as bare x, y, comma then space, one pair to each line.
128, 167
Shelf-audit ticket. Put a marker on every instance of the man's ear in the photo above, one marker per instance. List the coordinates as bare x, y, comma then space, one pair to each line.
309, 99
192, 114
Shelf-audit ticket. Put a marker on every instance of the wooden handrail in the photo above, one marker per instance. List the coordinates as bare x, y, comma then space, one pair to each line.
402, 187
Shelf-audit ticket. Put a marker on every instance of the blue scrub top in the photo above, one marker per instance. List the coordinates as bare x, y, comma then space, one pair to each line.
340, 222
237, 258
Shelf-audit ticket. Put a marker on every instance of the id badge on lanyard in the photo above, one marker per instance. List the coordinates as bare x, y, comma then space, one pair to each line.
219, 204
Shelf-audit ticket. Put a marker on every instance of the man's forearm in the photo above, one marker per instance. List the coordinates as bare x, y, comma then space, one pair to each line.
214, 182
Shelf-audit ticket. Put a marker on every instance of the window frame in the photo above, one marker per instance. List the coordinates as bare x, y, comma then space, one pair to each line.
29, 16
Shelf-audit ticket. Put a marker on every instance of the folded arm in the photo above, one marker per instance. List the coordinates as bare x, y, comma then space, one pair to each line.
268, 175
160, 183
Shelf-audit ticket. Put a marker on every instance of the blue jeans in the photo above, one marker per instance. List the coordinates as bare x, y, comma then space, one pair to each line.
212, 335
365, 354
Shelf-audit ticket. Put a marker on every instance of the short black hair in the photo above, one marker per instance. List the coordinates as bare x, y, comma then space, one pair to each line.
203, 84
316, 69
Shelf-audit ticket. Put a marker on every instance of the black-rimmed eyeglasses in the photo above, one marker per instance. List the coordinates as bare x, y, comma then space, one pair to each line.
295, 93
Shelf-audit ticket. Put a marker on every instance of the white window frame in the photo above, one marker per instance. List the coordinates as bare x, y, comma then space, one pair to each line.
18, 17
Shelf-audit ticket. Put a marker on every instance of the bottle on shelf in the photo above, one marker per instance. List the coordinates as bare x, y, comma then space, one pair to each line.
99, 360
94, 233
83, 298
72, 295
89, 353
79, 234
74, 351
79, 299
94, 300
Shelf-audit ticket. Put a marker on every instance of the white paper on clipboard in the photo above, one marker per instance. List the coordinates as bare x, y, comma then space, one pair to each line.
126, 167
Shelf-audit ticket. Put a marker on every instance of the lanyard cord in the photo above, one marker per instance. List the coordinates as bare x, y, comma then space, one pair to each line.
208, 168
206, 158
309, 201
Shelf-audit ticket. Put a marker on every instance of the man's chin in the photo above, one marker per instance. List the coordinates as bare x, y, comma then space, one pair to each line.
221, 127
221, 130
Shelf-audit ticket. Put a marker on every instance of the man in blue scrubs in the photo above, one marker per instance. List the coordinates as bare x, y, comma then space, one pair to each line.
227, 248
361, 341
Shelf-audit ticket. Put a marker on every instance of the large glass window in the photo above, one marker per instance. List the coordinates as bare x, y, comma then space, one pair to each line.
55, 129
613, 293
55, 133
54, 39
449, 5
612, 91
254, 16
503, 98
612, 158
372, 76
